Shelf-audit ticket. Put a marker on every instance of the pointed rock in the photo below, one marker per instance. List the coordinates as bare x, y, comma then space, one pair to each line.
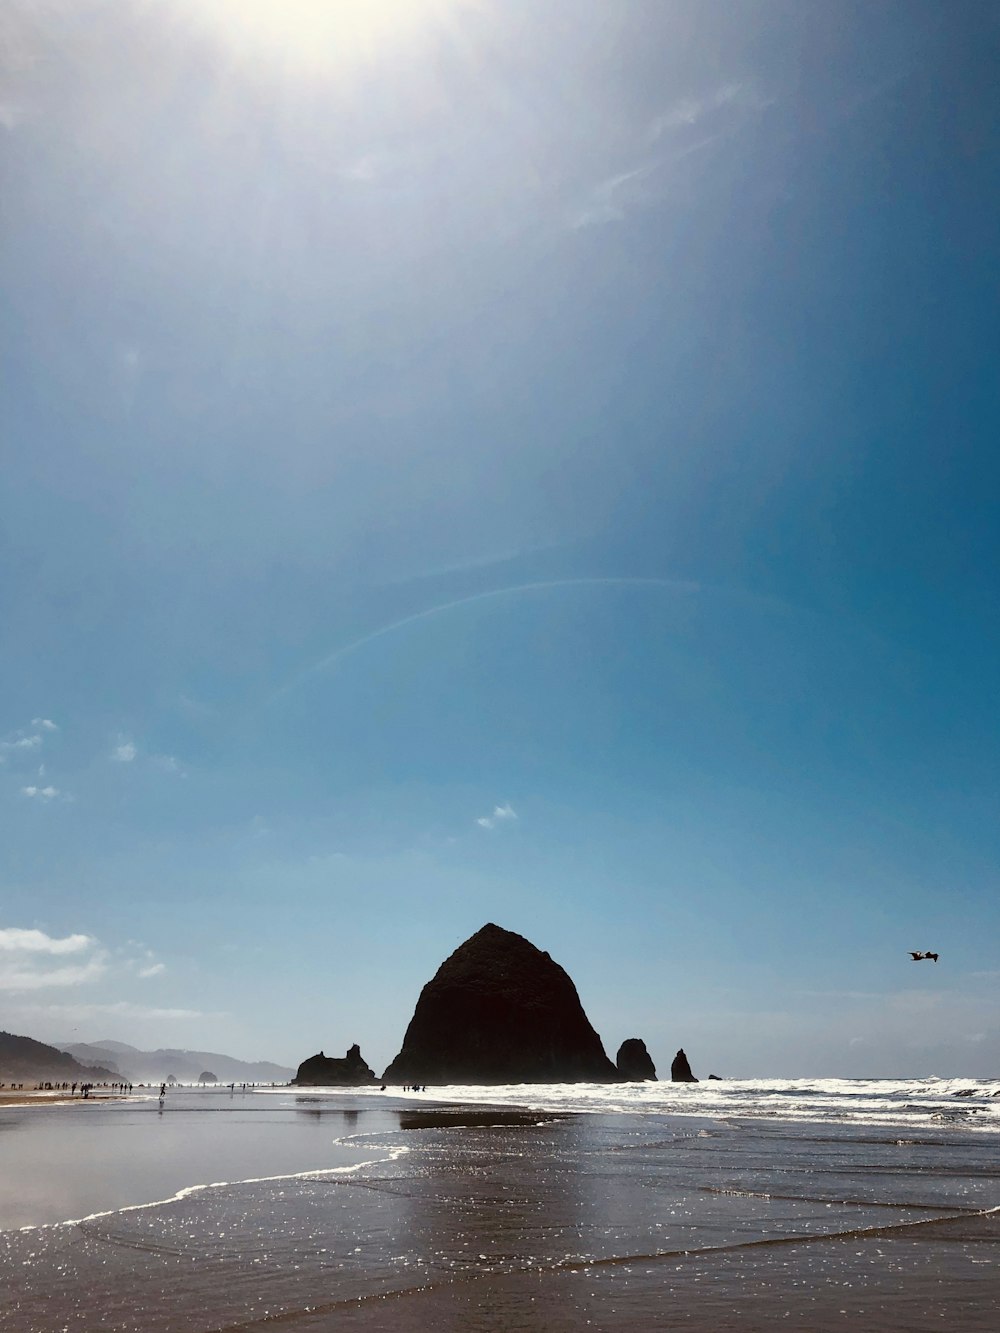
500, 1011
634, 1061
324, 1071
680, 1070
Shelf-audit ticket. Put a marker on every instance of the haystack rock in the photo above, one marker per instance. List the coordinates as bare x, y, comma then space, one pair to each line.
500, 1011
634, 1061
324, 1071
680, 1070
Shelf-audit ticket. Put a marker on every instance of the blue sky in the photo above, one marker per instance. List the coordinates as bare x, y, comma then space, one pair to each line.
532, 463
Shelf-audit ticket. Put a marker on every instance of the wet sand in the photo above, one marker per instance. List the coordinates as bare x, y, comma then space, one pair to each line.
500, 1220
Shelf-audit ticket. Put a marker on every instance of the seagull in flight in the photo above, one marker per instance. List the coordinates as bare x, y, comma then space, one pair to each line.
922, 957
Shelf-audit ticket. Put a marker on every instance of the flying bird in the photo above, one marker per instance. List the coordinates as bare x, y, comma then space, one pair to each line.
922, 957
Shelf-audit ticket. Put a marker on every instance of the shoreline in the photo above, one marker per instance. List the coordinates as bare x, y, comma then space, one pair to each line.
41, 1097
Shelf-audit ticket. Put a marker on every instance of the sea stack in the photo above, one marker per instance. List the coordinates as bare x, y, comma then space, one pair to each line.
324, 1071
680, 1070
500, 1011
634, 1062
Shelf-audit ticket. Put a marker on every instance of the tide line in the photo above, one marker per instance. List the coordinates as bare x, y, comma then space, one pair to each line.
189, 1190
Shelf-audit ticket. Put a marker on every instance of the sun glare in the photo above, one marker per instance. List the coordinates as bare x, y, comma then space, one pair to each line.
319, 36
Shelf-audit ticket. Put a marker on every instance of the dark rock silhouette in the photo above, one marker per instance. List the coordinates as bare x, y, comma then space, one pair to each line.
500, 1011
24, 1058
634, 1062
680, 1070
714, 1078
324, 1071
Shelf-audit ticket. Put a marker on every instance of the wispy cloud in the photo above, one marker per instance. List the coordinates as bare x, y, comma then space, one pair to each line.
510, 590
168, 763
31, 959
20, 750
20, 743
40, 793
126, 751
15, 939
28, 959
82, 1013
23, 741
146, 965
502, 814
26, 977
690, 111
681, 130
612, 199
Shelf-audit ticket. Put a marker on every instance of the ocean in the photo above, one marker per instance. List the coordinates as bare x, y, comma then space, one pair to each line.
742, 1205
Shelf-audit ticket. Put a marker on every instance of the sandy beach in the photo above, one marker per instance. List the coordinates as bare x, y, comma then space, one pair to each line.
380, 1212
43, 1098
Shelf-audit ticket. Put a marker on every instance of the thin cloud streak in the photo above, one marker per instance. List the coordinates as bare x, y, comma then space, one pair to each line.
717, 115
338, 655
80, 1013
605, 203
690, 110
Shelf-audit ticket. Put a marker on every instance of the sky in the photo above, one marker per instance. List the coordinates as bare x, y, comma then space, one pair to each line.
525, 462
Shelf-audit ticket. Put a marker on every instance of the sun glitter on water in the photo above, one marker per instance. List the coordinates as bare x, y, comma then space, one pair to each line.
320, 36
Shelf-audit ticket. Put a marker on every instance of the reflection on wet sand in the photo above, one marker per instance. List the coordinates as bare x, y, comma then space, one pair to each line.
472, 1118
475, 1218
347, 1117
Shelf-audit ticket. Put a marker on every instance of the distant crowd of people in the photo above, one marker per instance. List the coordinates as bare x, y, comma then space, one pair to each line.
121, 1089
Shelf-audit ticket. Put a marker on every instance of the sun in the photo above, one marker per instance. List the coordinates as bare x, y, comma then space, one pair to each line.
319, 36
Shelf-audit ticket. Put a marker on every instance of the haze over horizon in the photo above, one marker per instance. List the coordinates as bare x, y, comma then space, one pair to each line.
532, 463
